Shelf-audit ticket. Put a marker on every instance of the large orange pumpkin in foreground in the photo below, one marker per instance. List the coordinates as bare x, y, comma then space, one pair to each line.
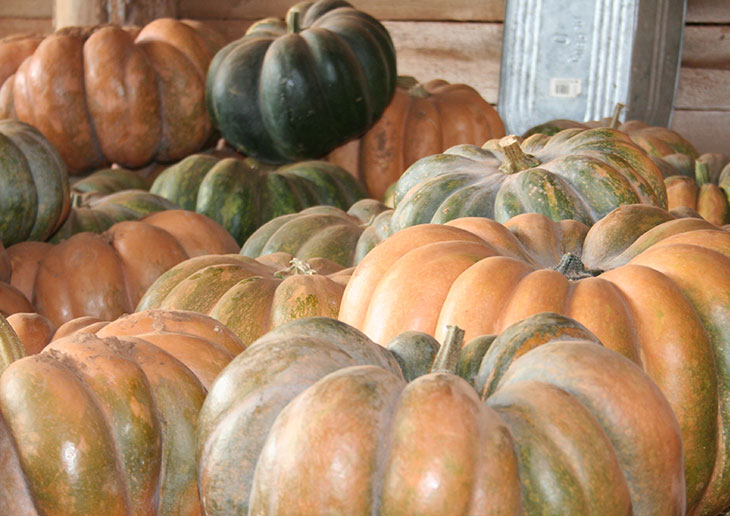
105, 423
315, 418
119, 95
654, 288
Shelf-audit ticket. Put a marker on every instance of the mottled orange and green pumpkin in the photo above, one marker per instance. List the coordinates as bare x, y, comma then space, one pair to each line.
105, 423
250, 296
706, 191
343, 237
315, 418
120, 95
652, 287
574, 174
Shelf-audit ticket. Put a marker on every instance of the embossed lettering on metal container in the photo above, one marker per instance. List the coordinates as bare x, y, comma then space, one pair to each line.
575, 59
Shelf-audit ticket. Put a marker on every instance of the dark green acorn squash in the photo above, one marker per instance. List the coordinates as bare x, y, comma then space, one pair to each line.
296, 90
575, 174
243, 194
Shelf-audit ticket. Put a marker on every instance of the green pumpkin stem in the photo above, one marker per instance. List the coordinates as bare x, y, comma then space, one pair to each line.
447, 358
515, 159
11, 347
292, 22
616, 114
702, 172
572, 267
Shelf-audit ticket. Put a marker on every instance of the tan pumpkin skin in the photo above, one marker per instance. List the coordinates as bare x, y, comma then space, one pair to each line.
418, 122
13, 51
708, 200
24, 260
119, 95
197, 233
129, 425
629, 308
309, 427
34, 330
249, 296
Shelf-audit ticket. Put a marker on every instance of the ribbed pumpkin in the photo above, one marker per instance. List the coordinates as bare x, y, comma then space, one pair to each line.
250, 296
12, 300
315, 418
97, 213
323, 232
296, 90
662, 302
105, 423
11, 347
421, 120
661, 143
34, 189
706, 193
107, 181
34, 330
105, 275
120, 95
243, 194
575, 174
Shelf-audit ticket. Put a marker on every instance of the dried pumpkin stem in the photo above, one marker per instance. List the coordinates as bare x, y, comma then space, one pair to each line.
296, 266
572, 267
515, 159
616, 114
447, 358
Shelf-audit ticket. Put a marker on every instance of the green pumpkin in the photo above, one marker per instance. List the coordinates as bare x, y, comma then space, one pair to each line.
98, 213
319, 232
315, 418
294, 91
106, 181
576, 174
242, 195
34, 189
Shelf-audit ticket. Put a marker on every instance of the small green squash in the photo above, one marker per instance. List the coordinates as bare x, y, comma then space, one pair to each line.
243, 194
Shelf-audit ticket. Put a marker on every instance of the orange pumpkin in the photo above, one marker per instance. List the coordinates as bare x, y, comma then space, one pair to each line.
663, 301
105, 423
106, 275
421, 120
119, 95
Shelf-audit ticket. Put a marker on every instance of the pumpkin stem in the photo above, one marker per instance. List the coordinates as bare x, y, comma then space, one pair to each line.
572, 267
447, 358
292, 22
515, 159
296, 266
406, 81
702, 172
11, 347
616, 113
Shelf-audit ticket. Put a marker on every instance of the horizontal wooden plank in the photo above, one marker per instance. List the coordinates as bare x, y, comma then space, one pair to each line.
701, 88
465, 10
26, 9
230, 29
708, 11
707, 130
706, 46
457, 52
9, 26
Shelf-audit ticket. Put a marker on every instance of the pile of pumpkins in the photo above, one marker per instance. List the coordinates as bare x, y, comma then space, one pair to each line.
273, 277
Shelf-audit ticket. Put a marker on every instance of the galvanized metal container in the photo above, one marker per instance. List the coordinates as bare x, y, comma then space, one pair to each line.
576, 59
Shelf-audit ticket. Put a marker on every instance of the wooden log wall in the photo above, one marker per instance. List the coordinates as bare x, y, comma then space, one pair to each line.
459, 40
